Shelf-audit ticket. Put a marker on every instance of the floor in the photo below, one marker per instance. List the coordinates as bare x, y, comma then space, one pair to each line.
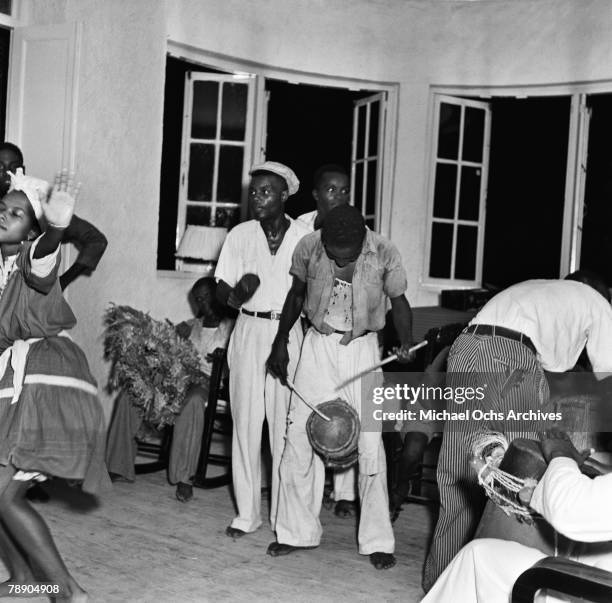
139, 544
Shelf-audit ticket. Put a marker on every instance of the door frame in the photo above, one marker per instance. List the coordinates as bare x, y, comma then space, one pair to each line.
235, 65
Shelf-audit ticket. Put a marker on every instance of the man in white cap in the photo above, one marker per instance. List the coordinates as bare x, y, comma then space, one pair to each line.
253, 277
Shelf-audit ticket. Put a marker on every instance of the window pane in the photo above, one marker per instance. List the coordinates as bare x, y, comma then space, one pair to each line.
233, 111
204, 110
448, 134
465, 255
361, 128
198, 215
469, 193
371, 188
441, 250
473, 134
201, 165
374, 119
5, 6
444, 190
358, 188
227, 216
370, 223
229, 187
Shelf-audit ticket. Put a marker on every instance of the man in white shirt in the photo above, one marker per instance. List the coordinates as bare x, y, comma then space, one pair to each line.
578, 507
331, 184
528, 328
261, 249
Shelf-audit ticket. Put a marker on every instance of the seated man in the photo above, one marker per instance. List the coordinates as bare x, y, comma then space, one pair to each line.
208, 331
576, 506
411, 438
408, 442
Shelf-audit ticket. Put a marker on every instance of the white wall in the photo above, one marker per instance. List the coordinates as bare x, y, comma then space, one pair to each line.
416, 43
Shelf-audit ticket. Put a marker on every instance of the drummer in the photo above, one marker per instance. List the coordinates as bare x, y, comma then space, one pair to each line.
342, 275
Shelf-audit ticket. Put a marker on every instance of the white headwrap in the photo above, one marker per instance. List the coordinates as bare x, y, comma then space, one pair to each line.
35, 189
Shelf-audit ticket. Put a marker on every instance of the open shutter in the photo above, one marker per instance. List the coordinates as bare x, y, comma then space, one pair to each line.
367, 157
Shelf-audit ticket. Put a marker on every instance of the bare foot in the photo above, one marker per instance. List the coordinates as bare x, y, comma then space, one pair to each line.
234, 532
277, 549
382, 560
345, 508
78, 596
184, 492
71, 592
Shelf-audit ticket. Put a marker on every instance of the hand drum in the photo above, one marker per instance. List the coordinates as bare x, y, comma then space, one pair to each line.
335, 441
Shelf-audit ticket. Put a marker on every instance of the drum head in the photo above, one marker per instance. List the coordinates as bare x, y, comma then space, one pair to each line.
335, 440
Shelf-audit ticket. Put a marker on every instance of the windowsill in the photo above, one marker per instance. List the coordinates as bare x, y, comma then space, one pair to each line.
438, 287
183, 274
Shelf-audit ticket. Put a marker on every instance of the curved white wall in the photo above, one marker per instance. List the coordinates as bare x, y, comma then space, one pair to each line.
416, 43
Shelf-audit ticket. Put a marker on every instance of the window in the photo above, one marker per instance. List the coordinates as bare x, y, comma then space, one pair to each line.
366, 158
457, 191
206, 153
218, 123
216, 149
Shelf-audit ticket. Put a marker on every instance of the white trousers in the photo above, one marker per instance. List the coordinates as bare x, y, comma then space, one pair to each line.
485, 570
324, 364
345, 484
255, 396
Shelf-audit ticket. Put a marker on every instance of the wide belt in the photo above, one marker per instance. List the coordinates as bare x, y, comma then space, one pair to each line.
268, 315
495, 331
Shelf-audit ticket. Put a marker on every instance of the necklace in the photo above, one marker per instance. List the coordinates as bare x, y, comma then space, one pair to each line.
275, 238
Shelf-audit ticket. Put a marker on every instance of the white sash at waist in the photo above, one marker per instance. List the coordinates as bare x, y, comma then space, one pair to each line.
18, 355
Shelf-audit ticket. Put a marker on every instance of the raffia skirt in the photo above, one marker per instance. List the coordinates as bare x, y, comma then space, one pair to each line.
57, 425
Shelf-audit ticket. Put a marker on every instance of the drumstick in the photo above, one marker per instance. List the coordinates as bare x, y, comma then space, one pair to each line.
313, 408
391, 358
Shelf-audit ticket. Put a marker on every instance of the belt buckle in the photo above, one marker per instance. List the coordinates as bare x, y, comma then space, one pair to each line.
275, 315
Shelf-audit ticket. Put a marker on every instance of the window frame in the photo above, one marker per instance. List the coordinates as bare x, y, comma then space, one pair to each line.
433, 161
191, 78
364, 158
262, 71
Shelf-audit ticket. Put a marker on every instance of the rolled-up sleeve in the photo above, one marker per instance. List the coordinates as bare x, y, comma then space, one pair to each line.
40, 273
301, 254
395, 281
228, 264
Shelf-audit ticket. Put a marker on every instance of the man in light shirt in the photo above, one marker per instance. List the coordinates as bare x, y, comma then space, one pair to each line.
576, 506
528, 328
331, 184
253, 276
343, 276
